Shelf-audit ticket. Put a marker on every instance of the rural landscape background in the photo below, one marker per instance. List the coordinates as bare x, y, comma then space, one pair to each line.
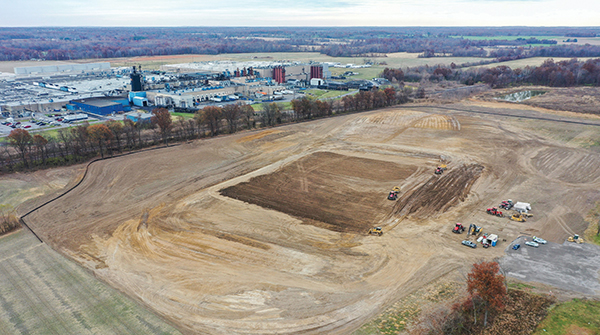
257, 216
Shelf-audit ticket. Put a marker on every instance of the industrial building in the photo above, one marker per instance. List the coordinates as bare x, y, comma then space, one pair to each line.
100, 106
139, 117
64, 68
316, 71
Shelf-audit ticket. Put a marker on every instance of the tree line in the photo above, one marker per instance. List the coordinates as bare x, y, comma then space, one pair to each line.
84, 141
565, 73
56, 43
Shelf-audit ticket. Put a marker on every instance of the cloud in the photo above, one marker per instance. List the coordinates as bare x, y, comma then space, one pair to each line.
300, 13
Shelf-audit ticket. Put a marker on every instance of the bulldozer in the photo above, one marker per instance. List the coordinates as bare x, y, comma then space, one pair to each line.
474, 230
518, 217
376, 231
575, 238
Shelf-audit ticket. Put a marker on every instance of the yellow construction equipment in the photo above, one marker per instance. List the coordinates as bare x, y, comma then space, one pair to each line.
518, 217
376, 231
474, 230
575, 238
396, 189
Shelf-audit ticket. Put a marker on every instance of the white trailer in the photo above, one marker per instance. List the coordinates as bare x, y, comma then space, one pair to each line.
75, 117
522, 207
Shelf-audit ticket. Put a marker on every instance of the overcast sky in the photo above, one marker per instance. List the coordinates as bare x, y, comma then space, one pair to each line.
300, 13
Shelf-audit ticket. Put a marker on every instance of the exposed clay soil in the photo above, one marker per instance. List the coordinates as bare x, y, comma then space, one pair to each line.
318, 188
286, 251
439, 193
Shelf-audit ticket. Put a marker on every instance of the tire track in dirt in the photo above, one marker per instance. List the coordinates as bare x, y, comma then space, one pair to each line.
439, 193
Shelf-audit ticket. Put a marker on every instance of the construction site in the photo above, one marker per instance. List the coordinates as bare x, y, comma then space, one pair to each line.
294, 229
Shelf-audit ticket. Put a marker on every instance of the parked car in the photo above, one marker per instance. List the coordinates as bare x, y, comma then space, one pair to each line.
469, 244
516, 246
532, 244
539, 240
27, 126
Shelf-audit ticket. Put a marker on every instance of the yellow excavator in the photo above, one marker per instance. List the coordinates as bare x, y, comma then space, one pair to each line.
474, 230
575, 238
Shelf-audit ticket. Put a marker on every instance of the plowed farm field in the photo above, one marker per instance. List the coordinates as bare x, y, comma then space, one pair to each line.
265, 232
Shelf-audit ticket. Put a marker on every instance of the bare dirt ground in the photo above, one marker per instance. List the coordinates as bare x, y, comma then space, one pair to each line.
265, 232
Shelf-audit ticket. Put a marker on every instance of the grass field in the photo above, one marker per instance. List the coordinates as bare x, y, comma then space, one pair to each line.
282, 106
44, 293
364, 73
324, 94
183, 115
573, 317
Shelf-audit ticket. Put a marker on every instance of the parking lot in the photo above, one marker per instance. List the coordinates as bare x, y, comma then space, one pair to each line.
568, 266
25, 123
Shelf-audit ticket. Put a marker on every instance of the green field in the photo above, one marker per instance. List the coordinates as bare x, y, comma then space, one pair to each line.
573, 317
183, 115
44, 293
364, 73
324, 94
282, 106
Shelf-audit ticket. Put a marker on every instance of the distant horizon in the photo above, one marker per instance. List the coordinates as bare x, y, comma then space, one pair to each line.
183, 26
309, 13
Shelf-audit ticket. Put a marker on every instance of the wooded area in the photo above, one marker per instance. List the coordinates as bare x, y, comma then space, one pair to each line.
55, 43
554, 74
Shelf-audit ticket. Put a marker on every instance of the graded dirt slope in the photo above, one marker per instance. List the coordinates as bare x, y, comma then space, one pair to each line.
264, 232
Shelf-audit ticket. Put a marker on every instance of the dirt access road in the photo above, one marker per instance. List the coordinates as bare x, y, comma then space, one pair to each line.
264, 232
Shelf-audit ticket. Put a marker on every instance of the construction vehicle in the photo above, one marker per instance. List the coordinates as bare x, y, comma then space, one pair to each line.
494, 211
575, 238
376, 231
518, 217
394, 193
474, 230
508, 204
458, 228
440, 169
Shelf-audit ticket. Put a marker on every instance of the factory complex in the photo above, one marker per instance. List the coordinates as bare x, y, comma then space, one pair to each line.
100, 90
